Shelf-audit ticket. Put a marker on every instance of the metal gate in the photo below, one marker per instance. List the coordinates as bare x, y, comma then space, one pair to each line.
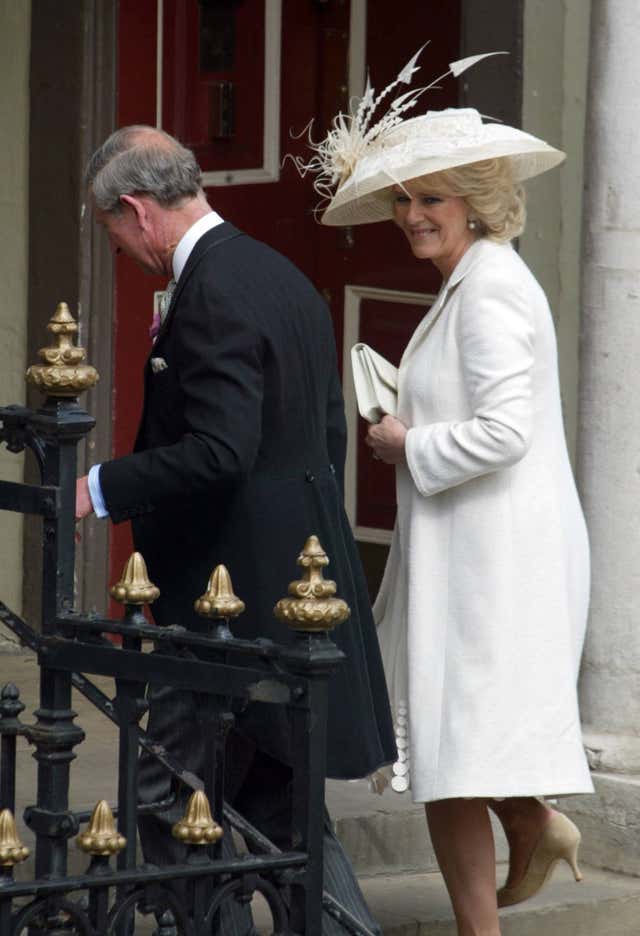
104, 899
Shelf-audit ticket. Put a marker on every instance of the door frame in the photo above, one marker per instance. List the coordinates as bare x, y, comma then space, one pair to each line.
72, 110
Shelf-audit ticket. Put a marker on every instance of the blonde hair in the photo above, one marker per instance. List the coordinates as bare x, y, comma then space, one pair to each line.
495, 202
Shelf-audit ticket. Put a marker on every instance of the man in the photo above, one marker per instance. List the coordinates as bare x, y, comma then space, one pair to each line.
238, 458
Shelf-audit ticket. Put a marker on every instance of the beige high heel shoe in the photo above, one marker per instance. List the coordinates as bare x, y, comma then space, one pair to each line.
559, 840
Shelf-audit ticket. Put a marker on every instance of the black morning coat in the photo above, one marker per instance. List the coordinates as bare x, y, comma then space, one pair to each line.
239, 458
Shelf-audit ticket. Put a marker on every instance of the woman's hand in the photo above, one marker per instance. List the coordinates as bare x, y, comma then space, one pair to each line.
386, 439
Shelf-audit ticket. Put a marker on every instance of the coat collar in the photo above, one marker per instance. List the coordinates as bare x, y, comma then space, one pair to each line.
209, 240
475, 254
479, 251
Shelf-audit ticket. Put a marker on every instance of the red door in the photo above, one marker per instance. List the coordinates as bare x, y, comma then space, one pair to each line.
232, 79
379, 291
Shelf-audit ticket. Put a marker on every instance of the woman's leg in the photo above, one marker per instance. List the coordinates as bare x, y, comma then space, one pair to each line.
523, 819
462, 839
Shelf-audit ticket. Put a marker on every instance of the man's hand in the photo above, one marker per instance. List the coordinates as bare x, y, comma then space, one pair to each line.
387, 440
84, 507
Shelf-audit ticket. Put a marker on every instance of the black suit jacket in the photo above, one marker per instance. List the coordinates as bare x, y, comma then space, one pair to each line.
238, 459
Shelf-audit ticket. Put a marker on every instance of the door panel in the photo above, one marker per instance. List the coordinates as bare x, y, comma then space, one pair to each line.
212, 70
383, 322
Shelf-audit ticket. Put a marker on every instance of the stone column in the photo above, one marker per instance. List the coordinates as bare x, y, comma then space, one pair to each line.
609, 436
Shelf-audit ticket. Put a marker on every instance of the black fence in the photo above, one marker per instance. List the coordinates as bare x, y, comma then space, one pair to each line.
71, 646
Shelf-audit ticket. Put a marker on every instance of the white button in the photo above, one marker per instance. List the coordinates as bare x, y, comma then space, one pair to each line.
401, 770
400, 784
402, 744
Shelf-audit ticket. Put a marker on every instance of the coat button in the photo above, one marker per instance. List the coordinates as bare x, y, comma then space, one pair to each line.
309, 475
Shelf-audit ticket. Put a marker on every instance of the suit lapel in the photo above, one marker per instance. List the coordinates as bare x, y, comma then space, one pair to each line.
209, 241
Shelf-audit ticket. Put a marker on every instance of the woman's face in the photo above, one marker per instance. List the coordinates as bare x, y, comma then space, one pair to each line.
436, 226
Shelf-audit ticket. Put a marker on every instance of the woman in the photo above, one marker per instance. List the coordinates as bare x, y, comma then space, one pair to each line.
483, 605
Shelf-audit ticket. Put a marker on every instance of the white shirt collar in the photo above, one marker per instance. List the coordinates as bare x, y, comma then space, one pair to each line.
189, 239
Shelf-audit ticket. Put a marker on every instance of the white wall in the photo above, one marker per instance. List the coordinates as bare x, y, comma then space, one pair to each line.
556, 47
15, 24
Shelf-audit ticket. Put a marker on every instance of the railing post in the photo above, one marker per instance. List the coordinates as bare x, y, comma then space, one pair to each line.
59, 425
219, 606
10, 728
311, 612
101, 839
134, 590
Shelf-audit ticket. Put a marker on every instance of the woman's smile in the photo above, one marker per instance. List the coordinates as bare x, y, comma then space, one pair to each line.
436, 226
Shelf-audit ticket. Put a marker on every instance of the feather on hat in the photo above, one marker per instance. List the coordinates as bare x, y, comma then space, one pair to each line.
364, 159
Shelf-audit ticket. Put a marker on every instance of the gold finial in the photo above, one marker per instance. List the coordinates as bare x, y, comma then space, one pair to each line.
62, 372
219, 601
134, 587
101, 836
12, 851
197, 826
312, 606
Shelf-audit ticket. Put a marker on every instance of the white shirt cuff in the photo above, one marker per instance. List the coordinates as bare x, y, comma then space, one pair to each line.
95, 492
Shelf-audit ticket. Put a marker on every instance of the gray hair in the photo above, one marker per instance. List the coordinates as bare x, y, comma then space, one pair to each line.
142, 160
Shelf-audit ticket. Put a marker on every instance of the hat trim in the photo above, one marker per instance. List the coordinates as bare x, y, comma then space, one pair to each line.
366, 200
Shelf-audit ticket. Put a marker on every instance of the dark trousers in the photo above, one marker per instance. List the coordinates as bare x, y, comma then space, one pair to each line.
258, 786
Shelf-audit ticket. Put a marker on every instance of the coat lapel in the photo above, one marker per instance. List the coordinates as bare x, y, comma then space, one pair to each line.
426, 324
472, 256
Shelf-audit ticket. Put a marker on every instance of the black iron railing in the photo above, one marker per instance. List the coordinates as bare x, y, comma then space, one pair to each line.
73, 646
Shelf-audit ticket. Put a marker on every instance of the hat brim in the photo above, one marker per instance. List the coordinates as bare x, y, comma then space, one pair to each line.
366, 196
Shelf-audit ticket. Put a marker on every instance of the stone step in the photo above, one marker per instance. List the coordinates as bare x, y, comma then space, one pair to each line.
385, 833
604, 904
416, 904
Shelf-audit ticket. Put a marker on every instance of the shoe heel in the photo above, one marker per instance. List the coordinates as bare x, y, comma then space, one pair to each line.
571, 857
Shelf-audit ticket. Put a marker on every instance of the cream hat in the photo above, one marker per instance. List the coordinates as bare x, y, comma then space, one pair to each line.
433, 142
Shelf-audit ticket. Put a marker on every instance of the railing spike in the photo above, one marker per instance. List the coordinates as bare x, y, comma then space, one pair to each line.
197, 826
12, 851
135, 586
101, 837
312, 606
62, 373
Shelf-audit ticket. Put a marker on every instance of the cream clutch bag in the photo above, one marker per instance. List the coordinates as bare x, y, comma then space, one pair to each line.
376, 383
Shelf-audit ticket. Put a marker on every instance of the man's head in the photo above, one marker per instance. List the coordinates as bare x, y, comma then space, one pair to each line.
147, 191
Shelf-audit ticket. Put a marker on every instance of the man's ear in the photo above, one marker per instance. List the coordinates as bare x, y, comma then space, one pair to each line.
137, 206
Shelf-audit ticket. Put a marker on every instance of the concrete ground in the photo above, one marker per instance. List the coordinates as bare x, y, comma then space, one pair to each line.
382, 835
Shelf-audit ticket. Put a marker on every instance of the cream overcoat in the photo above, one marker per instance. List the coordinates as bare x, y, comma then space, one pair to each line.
483, 605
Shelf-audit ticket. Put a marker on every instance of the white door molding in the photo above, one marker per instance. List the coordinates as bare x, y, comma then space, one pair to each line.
269, 171
353, 296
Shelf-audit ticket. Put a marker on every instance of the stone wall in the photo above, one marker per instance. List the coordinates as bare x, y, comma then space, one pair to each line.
14, 133
609, 437
556, 54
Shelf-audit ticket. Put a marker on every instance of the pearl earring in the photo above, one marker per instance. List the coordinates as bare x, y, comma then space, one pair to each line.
471, 224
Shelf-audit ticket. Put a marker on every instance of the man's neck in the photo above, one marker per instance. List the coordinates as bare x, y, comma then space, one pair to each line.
191, 236
184, 218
